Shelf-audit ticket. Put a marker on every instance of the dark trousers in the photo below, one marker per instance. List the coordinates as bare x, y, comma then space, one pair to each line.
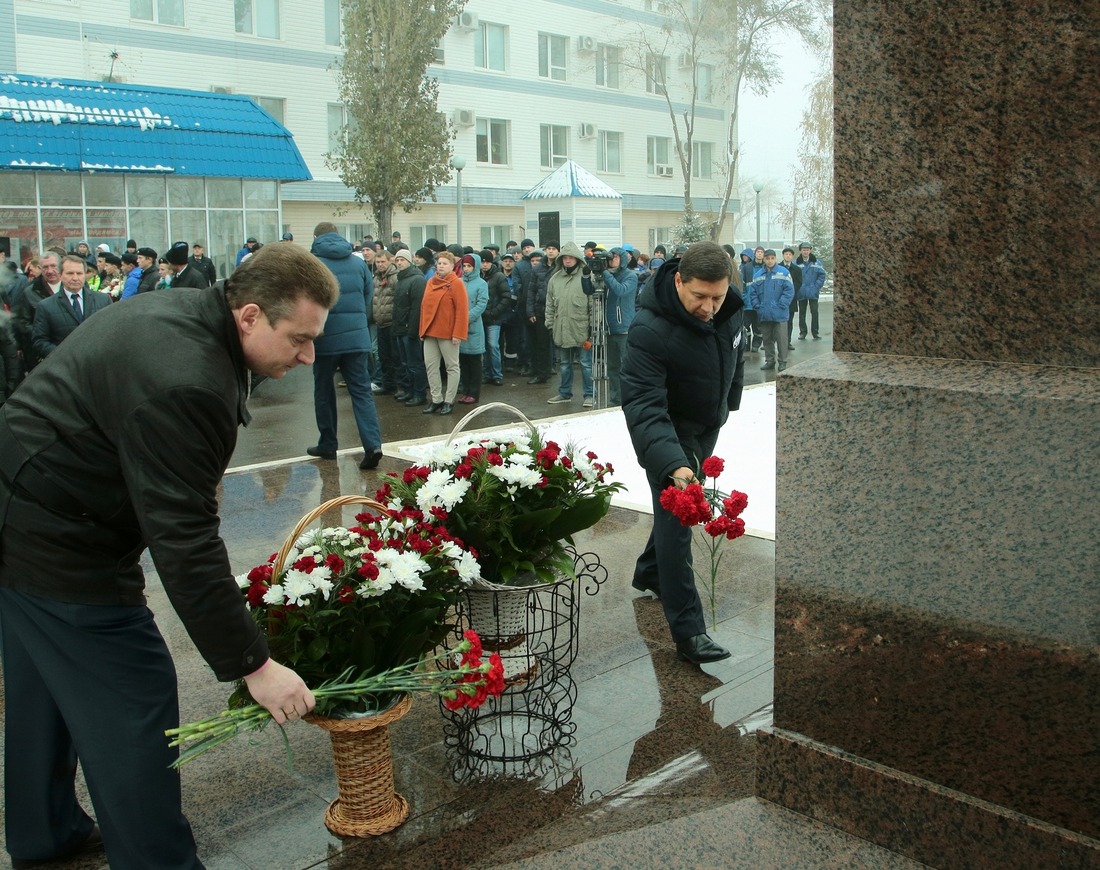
790, 321
470, 369
666, 563
538, 339
802, 304
94, 683
515, 340
389, 376
752, 335
353, 366
411, 351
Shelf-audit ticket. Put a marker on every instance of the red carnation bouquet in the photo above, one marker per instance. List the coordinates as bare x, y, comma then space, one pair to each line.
718, 513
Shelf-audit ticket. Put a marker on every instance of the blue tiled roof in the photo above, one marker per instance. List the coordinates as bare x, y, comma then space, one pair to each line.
84, 126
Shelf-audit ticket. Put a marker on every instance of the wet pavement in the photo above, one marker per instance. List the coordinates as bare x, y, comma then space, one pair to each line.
658, 768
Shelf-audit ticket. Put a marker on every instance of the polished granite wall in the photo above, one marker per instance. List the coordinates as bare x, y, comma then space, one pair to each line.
937, 683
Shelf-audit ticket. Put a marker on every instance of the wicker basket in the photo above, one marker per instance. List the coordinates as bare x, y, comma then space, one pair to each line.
367, 804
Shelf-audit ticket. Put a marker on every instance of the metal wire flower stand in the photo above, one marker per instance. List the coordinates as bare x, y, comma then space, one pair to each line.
533, 718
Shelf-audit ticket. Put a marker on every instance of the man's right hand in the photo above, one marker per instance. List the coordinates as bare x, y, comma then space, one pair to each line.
280, 691
682, 477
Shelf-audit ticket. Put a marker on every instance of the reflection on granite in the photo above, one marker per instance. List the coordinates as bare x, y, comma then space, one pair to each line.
965, 160
908, 815
936, 598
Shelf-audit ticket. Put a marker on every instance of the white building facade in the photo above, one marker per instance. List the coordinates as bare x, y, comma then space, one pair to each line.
526, 87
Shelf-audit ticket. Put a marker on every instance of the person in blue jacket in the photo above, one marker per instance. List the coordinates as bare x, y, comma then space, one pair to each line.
473, 347
771, 292
813, 279
622, 293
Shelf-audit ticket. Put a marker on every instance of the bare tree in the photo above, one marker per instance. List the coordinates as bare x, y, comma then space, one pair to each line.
724, 45
396, 145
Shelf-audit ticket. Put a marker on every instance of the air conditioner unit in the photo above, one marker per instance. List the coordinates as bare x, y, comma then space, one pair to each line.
588, 131
466, 21
586, 43
465, 117
664, 171
683, 60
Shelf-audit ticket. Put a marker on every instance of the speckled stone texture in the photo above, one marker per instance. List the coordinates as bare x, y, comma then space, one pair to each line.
938, 536
967, 191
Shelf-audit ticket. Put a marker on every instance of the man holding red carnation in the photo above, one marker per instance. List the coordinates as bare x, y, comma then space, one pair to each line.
682, 376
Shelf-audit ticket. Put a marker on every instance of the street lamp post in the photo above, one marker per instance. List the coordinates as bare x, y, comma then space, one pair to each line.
458, 163
758, 187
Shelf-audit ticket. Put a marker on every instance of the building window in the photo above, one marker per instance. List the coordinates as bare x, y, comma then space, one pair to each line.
337, 126
555, 145
657, 151
702, 159
257, 17
274, 106
496, 235
660, 236
609, 155
160, 11
492, 141
489, 43
704, 82
608, 60
333, 31
656, 74
438, 57
420, 234
552, 56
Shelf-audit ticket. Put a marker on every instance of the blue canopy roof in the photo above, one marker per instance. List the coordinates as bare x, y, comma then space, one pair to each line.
85, 126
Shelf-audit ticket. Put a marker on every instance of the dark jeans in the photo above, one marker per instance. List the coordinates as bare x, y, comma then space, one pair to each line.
469, 365
802, 304
411, 351
515, 340
616, 356
389, 377
97, 677
538, 339
353, 366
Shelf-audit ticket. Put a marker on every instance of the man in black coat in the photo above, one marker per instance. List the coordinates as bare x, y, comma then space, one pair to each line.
42, 287
683, 374
147, 260
202, 263
97, 462
57, 316
185, 275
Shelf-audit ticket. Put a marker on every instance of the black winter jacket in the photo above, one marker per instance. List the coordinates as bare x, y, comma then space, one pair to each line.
407, 295
681, 377
499, 309
117, 442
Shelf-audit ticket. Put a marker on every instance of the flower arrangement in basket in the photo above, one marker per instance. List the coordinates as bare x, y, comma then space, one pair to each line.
718, 513
515, 500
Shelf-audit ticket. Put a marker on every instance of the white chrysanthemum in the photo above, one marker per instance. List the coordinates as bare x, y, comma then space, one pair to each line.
441, 489
516, 475
322, 580
274, 595
297, 587
522, 459
583, 466
404, 568
242, 581
446, 454
468, 568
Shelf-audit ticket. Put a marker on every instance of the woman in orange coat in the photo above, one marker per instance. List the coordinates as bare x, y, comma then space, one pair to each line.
444, 323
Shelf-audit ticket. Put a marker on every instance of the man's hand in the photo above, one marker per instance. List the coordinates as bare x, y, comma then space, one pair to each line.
280, 691
682, 477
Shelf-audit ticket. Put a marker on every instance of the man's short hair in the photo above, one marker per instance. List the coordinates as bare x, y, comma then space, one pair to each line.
129, 258
276, 277
74, 258
705, 261
323, 228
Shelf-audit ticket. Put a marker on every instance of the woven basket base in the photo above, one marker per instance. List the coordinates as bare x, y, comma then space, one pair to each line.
385, 822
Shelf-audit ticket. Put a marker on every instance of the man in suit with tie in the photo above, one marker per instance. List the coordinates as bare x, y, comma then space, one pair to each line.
58, 315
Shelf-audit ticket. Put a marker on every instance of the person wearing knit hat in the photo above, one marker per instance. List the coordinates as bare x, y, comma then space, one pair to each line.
408, 295
424, 258
185, 275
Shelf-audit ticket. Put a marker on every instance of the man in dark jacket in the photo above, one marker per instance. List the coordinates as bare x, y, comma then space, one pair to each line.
185, 275
796, 277
58, 315
514, 338
96, 464
407, 296
147, 260
202, 263
683, 375
538, 339
345, 346
42, 287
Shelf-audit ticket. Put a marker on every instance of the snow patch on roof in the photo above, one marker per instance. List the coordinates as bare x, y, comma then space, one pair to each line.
63, 112
571, 179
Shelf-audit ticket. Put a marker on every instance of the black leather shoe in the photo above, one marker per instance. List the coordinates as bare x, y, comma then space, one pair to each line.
537, 380
446, 408
371, 460
321, 454
700, 649
432, 407
645, 587
93, 842
413, 401
401, 397
767, 367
